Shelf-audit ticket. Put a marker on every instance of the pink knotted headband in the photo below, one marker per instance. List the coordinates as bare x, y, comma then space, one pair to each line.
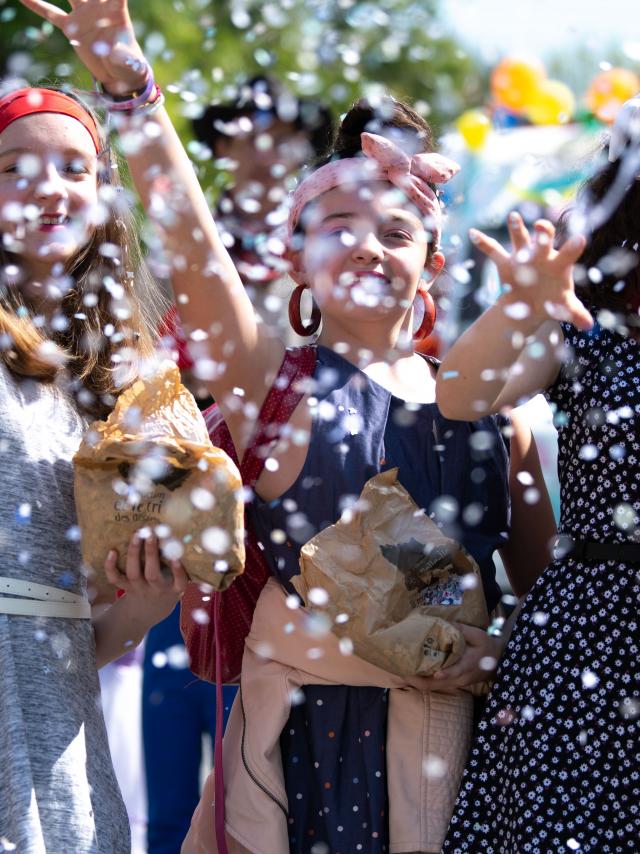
386, 161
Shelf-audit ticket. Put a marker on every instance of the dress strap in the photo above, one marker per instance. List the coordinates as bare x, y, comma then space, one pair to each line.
28, 599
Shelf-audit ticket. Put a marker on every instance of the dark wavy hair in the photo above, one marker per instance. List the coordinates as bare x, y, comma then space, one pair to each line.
607, 275
265, 98
387, 117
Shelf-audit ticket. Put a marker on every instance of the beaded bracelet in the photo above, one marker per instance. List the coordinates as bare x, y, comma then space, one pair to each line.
136, 101
154, 103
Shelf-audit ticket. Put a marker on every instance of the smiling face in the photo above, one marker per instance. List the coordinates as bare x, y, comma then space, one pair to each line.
364, 253
48, 190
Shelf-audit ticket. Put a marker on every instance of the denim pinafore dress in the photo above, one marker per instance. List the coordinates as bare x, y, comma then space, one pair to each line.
333, 746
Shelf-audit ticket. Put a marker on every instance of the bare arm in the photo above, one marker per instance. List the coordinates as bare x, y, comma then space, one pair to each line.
533, 524
244, 354
525, 556
201, 268
514, 349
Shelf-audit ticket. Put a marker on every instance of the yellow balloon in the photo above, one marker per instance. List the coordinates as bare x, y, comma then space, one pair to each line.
474, 126
514, 81
552, 104
609, 90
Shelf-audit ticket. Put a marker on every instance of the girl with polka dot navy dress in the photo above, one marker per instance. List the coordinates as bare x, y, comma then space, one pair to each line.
555, 763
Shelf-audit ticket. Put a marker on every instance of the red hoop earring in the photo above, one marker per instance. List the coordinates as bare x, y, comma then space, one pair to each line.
429, 318
295, 318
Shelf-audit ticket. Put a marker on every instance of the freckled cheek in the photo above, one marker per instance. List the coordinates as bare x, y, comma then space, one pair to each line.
10, 212
323, 286
318, 253
322, 264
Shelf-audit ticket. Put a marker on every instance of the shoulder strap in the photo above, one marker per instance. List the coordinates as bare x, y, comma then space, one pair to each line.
281, 400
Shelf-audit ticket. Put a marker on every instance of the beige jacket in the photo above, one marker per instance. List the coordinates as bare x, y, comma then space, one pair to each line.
428, 739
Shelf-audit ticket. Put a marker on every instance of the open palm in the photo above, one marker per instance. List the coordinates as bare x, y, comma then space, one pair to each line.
101, 34
539, 276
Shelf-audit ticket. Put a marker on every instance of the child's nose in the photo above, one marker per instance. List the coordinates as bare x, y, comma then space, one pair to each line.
367, 249
50, 184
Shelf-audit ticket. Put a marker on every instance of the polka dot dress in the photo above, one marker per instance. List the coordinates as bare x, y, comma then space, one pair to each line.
333, 746
555, 766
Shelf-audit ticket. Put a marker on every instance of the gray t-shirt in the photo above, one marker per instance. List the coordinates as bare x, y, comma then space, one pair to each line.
58, 791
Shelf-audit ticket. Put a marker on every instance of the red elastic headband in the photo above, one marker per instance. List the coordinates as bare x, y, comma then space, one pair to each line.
26, 102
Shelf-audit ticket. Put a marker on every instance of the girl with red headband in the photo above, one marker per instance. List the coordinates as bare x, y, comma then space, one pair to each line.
76, 312
364, 239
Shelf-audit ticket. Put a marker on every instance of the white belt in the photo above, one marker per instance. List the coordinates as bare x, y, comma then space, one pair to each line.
40, 600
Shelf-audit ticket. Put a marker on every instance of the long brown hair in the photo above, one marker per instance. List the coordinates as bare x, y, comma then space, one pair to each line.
109, 313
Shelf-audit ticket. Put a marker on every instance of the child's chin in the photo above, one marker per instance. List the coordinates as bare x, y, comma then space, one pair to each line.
60, 247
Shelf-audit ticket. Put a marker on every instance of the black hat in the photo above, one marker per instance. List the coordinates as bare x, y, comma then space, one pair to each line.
264, 99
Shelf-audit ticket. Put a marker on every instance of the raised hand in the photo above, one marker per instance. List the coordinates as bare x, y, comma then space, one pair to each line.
538, 277
101, 33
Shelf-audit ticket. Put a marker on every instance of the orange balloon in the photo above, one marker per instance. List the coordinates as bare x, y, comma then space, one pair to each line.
609, 90
514, 82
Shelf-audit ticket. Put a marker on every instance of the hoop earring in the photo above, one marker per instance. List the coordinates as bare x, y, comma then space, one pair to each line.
429, 318
295, 318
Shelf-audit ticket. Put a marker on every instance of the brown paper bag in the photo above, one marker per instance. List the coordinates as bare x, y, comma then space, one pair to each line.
151, 466
393, 583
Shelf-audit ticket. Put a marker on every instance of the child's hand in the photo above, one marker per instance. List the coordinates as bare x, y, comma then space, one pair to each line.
155, 590
478, 662
539, 277
101, 33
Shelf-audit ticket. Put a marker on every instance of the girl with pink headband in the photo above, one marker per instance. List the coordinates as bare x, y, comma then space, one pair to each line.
77, 310
329, 766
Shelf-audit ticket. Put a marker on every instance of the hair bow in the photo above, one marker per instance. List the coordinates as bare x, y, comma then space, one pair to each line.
383, 160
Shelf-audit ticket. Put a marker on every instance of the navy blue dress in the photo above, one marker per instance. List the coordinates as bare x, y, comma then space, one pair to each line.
554, 766
333, 747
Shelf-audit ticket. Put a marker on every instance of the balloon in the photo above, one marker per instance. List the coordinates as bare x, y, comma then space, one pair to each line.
474, 126
552, 104
609, 90
514, 81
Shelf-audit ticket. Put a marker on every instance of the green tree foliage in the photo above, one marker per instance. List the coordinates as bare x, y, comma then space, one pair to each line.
332, 49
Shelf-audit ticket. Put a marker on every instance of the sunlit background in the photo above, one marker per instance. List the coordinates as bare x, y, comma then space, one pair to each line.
520, 92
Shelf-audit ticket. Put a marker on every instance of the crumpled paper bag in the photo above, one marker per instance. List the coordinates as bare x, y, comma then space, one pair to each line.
392, 582
151, 465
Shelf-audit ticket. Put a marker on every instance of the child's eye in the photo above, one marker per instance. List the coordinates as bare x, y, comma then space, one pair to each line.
398, 234
76, 167
343, 234
27, 166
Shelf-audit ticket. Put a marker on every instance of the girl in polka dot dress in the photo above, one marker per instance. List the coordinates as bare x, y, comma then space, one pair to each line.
555, 763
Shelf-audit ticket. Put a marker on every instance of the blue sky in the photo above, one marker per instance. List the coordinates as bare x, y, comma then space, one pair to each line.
498, 27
